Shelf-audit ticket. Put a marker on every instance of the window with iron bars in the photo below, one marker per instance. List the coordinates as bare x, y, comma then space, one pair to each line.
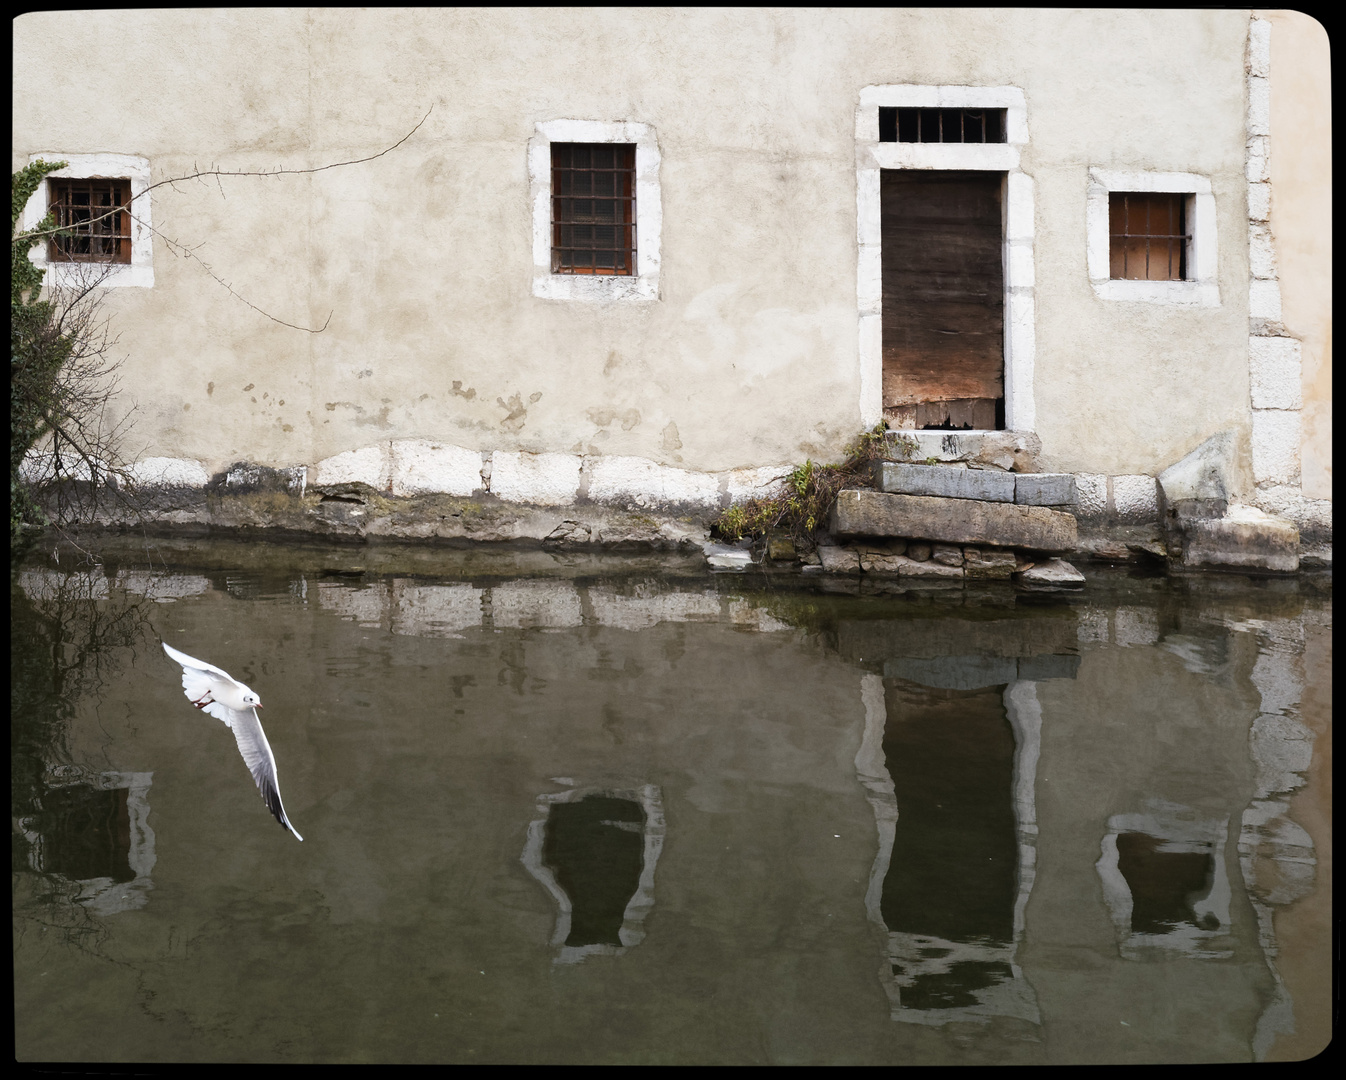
593, 208
94, 220
1148, 236
941, 125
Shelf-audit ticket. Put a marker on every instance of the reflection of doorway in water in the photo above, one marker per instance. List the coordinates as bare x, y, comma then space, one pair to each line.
951, 877
949, 771
595, 851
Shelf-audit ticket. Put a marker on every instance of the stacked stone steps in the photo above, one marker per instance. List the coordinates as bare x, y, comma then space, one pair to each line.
986, 513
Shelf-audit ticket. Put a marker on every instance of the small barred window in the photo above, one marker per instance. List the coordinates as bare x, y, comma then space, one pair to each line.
941, 125
94, 220
1148, 236
593, 208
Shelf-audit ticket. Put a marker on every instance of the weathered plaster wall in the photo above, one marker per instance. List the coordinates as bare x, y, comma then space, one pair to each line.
749, 357
1301, 222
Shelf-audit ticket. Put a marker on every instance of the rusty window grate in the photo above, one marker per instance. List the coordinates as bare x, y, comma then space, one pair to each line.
941, 125
593, 208
1148, 236
95, 218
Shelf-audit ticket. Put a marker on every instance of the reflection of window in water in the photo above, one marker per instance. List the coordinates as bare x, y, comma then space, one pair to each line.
95, 833
594, 848
86, 833
1165, 882
595, 852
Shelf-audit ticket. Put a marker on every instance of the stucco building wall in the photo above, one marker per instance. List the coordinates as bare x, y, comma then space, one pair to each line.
423, 257
1301, 221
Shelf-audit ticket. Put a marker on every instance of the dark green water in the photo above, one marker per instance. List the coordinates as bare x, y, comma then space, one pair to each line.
601, 810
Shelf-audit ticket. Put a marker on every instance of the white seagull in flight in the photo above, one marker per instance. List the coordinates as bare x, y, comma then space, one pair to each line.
220, 695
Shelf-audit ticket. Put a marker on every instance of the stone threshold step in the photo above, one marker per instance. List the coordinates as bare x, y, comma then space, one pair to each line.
985, 485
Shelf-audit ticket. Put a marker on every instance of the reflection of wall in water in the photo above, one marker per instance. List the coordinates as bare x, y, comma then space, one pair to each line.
595, 852
95, 834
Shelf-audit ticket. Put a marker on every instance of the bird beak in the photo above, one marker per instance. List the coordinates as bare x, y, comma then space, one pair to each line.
258, 705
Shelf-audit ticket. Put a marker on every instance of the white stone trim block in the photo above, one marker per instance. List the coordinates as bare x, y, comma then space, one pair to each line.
367, 465
872, 156
1020, 358
1264, 300
1275, 366
1259, 201
649, 212
744, 484
1258, 169
1261, 251
1259, 48
996, 157
168, 472
1092, 492
871, 370
1259, 106
1275, 439
1202, 287
421, 467
1135, 498
544, 479
139, 273
646, 483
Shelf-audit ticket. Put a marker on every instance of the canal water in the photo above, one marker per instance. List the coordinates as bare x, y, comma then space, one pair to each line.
579, 809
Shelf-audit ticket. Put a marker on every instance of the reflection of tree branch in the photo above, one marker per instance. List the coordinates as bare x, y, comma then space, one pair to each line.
65, 650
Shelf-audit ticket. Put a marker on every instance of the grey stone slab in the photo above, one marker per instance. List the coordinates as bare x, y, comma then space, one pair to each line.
1204, 478
908, 567
1051, 572
948, 554
988, 565
998, 449
1045, 489
957, 521
838, 560
1245, 540
945, 481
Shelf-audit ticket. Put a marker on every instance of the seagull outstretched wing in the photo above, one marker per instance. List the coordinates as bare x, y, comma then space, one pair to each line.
217, 693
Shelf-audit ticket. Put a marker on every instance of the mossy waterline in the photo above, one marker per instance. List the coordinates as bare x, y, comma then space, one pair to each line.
800, 508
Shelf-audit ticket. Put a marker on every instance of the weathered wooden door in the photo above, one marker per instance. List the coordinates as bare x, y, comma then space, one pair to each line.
943, 299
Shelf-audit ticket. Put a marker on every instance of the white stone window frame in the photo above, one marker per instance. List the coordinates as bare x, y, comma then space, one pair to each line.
139, 272
873, 156
597, 288
1201, 288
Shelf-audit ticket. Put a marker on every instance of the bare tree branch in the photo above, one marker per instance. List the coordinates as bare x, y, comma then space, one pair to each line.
217, 173
182, 250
